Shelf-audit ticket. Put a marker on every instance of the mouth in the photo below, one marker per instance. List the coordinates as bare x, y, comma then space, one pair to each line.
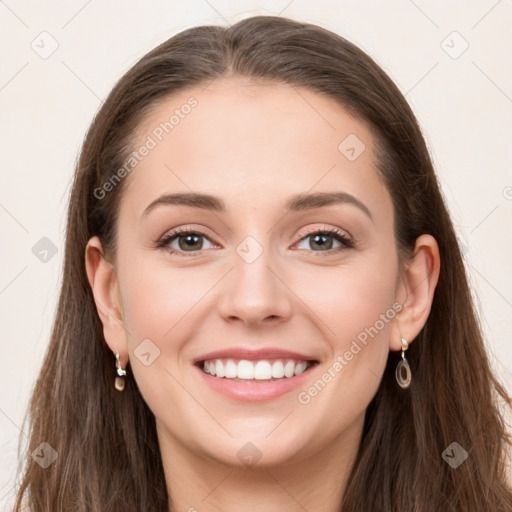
265, 370
255, 380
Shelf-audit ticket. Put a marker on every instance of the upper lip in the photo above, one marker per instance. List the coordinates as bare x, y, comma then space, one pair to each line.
253, 355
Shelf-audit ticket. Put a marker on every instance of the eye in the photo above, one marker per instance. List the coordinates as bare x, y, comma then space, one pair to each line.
185, 240
190, 241
323, 239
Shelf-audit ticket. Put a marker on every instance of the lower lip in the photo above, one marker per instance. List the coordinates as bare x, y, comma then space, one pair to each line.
253, 390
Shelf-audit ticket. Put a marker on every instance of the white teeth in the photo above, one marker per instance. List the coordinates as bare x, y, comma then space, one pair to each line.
278, 370
231, 370
245, 369
258, 370
289, 369
219, 369
301, 367
262, 370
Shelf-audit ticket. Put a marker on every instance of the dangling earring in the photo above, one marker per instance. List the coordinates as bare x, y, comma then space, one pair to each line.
119, 382
403, 367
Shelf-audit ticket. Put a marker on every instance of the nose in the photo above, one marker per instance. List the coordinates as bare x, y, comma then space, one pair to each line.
255, 293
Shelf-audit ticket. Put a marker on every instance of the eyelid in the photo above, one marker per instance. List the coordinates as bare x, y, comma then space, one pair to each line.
334, 232
324, 229
167, 237
179, 231
342, 236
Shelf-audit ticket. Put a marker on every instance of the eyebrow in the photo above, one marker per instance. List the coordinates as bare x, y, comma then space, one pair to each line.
296, 203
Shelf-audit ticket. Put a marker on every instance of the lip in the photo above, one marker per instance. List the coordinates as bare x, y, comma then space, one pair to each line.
253, 355
255, 391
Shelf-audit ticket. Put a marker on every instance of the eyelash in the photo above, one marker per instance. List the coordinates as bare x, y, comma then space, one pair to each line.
346, 242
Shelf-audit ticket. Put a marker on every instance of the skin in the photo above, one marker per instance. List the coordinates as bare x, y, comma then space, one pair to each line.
254, 145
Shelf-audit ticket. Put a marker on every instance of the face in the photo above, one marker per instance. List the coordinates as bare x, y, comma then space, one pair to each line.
315, 278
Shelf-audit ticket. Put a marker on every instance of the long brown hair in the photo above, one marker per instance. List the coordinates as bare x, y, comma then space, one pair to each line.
108, 454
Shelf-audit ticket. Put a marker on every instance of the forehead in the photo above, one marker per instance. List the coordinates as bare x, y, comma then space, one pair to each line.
251, 141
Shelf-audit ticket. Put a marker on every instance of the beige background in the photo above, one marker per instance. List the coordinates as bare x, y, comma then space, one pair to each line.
462, 97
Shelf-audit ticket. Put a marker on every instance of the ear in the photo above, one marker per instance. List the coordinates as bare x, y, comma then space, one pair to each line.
104, 285
415, 291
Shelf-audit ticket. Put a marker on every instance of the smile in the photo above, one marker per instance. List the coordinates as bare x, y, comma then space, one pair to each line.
255, 370
259, 380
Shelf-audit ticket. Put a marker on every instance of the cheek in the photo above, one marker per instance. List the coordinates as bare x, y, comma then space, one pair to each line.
155, 301
356, 311
160, 306
351, 297
157, 297
355, 305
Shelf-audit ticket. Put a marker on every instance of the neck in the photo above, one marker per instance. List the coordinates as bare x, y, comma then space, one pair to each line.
198, 483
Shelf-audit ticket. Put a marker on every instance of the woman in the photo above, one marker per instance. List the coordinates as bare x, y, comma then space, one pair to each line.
264, 305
